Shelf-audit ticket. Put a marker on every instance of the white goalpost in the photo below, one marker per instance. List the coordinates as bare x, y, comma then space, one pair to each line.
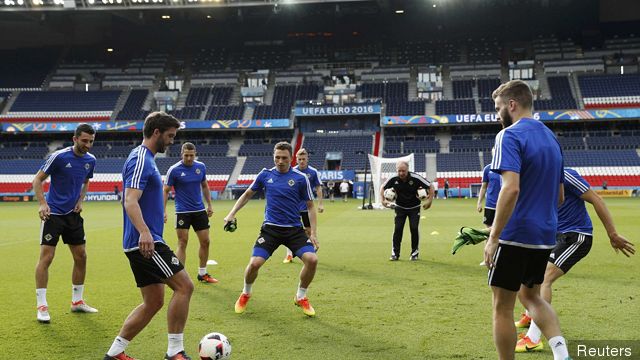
384, 168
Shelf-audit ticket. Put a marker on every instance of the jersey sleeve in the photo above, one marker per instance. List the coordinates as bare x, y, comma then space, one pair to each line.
315, 180
51, 164
169, 179
91, 169
204, 172
258, 183
388, 184
305, 189
485, 174
575, 183
138, 173
508, 154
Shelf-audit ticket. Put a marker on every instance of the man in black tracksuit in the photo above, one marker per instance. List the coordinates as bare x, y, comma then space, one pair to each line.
407, 204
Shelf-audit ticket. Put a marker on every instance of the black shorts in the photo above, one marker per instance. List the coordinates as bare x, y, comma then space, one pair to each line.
570, 248
271, 237
489, 215
515, 265
69, 226
199, 220
304, 215
162, 265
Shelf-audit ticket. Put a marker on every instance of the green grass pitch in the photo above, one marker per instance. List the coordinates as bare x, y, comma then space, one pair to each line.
367, 307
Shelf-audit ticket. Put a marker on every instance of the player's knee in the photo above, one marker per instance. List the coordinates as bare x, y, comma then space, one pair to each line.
80, 257
154, 304
310, 259
186, 287
255, 264
205, 241
182, 241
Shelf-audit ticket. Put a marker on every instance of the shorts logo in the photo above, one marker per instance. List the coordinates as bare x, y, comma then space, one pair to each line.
180, 222
198, 171
48, 237
261, 240
309, 241
553, 255
291, 182
175, 261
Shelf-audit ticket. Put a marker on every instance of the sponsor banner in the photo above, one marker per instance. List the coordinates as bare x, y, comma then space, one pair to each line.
326, 175
614, 193
329, 110
16, 198
137, 125
101, 196
461, 119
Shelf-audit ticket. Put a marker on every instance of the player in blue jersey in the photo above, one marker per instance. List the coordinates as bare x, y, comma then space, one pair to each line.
188, 178
529, 159
284, 188
491, 188
152, 262
575, 234
302, 158
70, 170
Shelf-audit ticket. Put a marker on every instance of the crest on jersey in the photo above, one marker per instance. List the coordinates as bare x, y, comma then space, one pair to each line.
198, 171
48, 237
175, 261
87, 166
291, 182
410, 182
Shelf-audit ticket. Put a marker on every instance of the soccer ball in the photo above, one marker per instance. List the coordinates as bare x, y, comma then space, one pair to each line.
390, 194
422, 194
214, 346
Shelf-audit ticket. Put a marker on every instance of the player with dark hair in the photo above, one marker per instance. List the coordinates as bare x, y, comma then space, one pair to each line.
70, 170
284, 189
302, 158
152, 262
188, 177
574, 239
529, 159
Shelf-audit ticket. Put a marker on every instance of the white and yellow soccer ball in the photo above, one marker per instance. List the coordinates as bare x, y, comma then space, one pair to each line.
422, 194
214, 346
390, 194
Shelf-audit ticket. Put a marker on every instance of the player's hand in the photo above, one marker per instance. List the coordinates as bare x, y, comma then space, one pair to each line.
426, 206
314, 241
44, 212
165, 218
385, 203
479, 207
229, 218
489, 251
320, 208
77, 208
209, 211
145, 244
620, 243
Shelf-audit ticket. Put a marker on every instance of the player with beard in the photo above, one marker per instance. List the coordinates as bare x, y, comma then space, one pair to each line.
70, 170
529, 159
152, 262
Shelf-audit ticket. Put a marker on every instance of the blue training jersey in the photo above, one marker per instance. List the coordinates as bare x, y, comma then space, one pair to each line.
494, 182
284, 192
68, 172
314, 181
572, 215
529, 148
187, 182
140, 172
